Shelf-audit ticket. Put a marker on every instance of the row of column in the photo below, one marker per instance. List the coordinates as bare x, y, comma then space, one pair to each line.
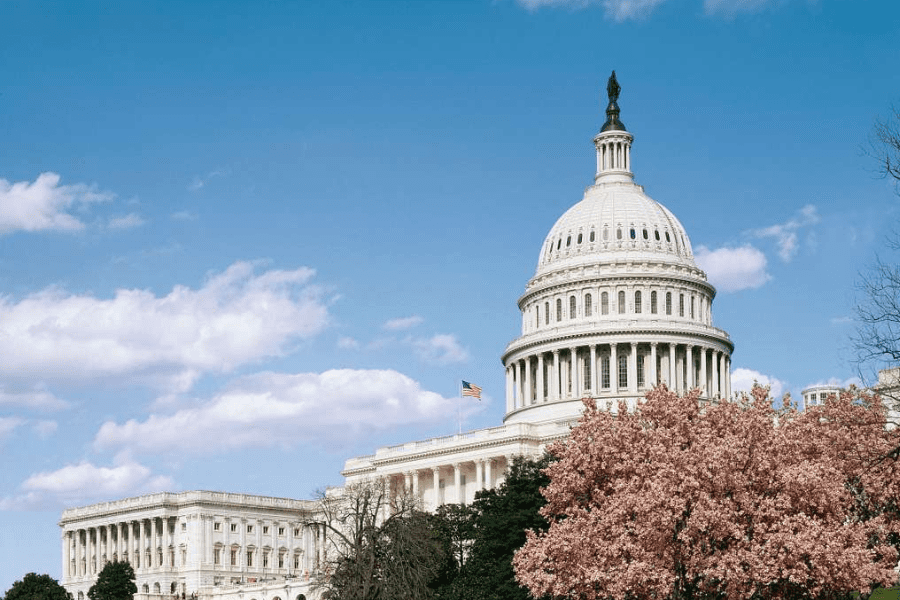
622, 368
614, 154
484, 479
144, 543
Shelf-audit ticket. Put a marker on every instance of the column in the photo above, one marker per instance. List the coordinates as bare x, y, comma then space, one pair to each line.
540, 397
407, 482
613, 369
672, 383
243, 540
689, 384
154, 544
723, 374
457, 483
79, 554
66, 541
109, 544
715, 383
653, 375
509, 390
415, 484
436, 474
289, 557
704, 382
164, 521
98, 556
528, 397
120, 543
594, 388
573, 370
517, 399
554, 379
479, 474
728, 377
142, 545
632, 367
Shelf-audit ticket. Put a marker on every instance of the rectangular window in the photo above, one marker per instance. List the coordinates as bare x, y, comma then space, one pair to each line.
653, 303
234, 558
604, 372
281, 561
249, 558
296, 531
265, 529
640, 370
233, 527
604, 303
217, 526
184, 526
668, 303
692, 307
281, 531
217, 556
296, 561
623, 372
265, 560
249, 528
587, 373
680, 305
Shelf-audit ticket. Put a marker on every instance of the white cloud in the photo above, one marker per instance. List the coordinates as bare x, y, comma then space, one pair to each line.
237, 317
843, 320
200, 181
402, 323
8, 424
441, 349
785, 234
619, 10
348, 343
836, 382
128, 221
36, 399
269, 409
742, 380
45, 429
83, 483
44, 205
184, 215
733, 269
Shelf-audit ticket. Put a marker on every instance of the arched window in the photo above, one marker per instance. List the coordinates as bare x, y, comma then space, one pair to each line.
646, 235
605, 234
559, 243
618, 234
680, 305
572, 307
623, 372
653, 303
546, 313
156, 588
633, 235
592, 236
621, 303
604, 303
568, 241
692, 307
656, 233
145, 588
579, 239
637, 302
668, 303
537, 316
559, 309
588, 305
667, 237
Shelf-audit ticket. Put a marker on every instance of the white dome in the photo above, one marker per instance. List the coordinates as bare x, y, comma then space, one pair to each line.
616, 222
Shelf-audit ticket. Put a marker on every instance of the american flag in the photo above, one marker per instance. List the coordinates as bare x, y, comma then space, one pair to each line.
470, 389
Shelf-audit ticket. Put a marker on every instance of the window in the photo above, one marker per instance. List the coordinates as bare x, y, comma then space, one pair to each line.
281, 531
646, 235
572, 307
249, 558
680, 305
217, 527
233, 527
217, 556
592, 236
558, 309
618, 234
668, 303
265, 529
623, 372
296, 561
604, 372
605, 234
588, 307
637, 302
667, 237
546, 313
265, 560
621, 303
249, 528
296, 531
579, 239
587, 384
233, 557
640, 370
822, 397
184, 526
537, 316
568, 241
559, 243
281, 561
632, 233
656, 233
604, 303
653, 303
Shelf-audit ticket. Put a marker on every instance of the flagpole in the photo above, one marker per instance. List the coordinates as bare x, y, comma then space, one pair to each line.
459, 408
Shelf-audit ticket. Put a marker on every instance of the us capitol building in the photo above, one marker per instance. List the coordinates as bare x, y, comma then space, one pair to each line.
617, 304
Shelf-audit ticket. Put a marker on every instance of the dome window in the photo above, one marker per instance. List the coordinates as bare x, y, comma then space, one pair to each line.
546, 313
605, 234
656, 233
637, 301
653, 300
604, 303
667, 237
558, 310
559, 244
592, 235
588, 305
572, 310
681, 305
579, 239
621, 303
646, 235
568, 241
633, 235
668, 301
618, 234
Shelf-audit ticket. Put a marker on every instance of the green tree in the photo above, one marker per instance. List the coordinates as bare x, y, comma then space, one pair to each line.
115, 582
37, 587
499, 520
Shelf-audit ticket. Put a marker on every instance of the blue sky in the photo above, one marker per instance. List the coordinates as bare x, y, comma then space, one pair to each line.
241, 242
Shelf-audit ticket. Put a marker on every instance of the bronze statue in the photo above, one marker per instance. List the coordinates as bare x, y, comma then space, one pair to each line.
613, 88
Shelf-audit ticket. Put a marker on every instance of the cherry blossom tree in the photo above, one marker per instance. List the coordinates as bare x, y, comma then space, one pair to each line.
682, 500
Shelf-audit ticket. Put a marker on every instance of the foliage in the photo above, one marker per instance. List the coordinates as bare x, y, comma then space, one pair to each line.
37, 587
732, 500
115, 582
381, 547
500, 518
